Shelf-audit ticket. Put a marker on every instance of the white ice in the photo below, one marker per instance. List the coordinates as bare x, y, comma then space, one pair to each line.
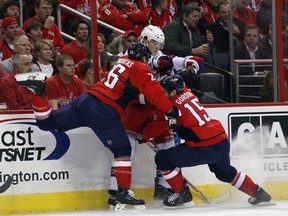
224, 209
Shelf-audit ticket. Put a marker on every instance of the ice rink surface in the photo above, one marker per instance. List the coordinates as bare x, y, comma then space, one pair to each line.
225, 209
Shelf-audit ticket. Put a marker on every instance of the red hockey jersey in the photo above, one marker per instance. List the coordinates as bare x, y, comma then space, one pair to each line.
195, 126
124, 83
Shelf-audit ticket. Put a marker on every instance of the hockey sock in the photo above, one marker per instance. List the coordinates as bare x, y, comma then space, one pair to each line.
161, 180
174, 179
244, 183
41, 106
122, 171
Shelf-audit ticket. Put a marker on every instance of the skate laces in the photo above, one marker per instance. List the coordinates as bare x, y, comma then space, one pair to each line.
130, 193
173, 197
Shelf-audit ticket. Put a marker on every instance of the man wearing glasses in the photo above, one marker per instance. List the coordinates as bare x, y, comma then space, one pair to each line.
16, 97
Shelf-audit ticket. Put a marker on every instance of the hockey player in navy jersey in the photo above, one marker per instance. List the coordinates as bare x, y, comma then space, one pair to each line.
102, 108
206, 142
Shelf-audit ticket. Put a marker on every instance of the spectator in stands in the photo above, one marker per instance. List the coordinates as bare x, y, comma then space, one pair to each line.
88, 55
67, 19
243, 13
124, 16
88, 48
127, 39
11, 30
44, 57
267, 42
102, 54
220, 31
160, 15
255, 4
2, 2
34, 30
10, 8
76, 48
251, 48
64, 87
43, 10
21, 46
30, 4
210, 10
16, 97
171, 6
202, 23
183, 38
87, 73
197, 3
264, 16
267, 91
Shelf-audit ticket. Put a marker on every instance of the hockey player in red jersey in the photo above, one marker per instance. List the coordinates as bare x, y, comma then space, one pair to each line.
205, 143
101, 109
139, 113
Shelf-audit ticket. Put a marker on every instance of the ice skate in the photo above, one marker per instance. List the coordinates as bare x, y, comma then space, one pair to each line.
161, 192
261, 198
179, 200
33, 81
125, 197
112, 199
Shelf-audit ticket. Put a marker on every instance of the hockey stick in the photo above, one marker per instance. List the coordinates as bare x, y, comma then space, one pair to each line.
6, 184
216, 200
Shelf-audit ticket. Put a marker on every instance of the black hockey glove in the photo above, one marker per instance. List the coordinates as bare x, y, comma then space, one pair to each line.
172, 113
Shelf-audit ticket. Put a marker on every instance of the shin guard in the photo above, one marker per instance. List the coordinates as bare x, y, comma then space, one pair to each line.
244, 183
174, 179
123, 171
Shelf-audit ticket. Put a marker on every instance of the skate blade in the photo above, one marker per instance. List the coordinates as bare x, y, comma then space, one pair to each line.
127, 207
182, 206
270, 203
111, 207
30, 76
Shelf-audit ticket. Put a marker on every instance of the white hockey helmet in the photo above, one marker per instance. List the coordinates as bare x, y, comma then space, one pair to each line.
151, 32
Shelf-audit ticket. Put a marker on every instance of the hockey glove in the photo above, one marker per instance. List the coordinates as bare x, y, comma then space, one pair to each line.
194, 64
162, 63
172, 113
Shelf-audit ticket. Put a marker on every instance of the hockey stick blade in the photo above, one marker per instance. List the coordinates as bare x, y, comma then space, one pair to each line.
216, 200
6, 185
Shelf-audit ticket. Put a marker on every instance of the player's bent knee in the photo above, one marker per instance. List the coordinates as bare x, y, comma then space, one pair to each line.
226, 176
120, 152
162, 161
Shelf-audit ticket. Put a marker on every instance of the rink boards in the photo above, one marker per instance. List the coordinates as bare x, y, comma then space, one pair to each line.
69, 171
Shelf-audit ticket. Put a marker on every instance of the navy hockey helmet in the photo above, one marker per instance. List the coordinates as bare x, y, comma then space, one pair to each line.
137, 51
169, 83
